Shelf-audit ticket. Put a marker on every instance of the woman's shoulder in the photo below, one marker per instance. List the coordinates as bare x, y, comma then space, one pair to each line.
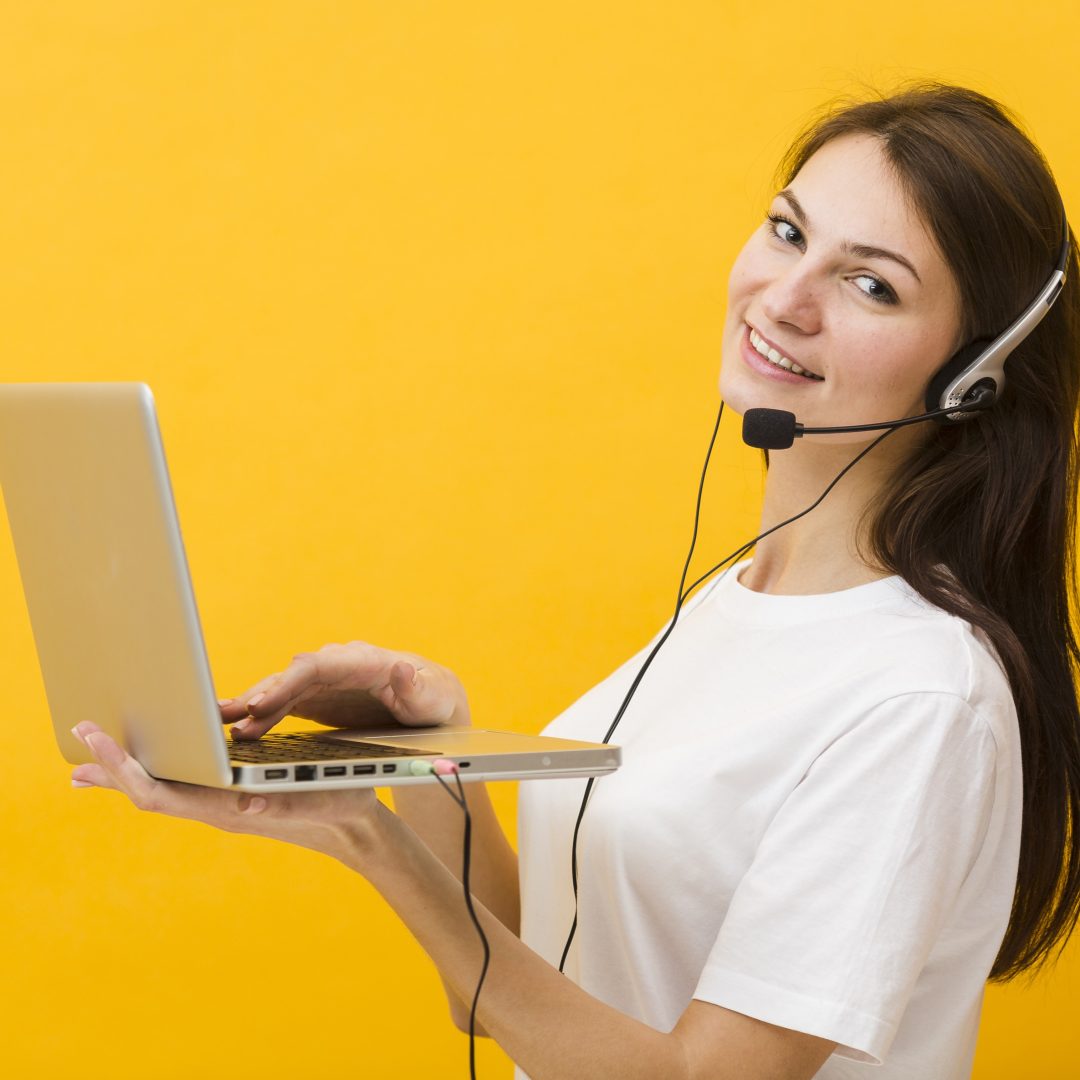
942, 652
861, 647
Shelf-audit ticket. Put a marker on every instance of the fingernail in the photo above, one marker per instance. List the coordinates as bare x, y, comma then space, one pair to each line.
243, 726
81, 783
75, 732
257, 803
253, 702
223, 701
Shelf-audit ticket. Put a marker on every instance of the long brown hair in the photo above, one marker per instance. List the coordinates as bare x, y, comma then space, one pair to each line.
993, 500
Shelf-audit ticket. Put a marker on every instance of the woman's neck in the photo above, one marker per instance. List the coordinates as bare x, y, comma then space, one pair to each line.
820, 552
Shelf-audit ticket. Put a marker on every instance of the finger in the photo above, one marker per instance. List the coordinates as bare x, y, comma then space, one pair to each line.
243, 710
403, 678
420, 694
91, 775
231, 709
252, 697
234, 710
250, 728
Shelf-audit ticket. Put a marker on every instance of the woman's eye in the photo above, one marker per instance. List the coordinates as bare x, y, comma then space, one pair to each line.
785, 230
877, 290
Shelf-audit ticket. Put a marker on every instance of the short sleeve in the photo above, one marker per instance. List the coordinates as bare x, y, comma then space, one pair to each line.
854, 877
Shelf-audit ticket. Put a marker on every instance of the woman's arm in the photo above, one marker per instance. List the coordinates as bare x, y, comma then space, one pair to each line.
546, 1023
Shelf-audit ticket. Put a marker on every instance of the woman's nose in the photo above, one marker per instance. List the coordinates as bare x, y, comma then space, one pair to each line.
793, 297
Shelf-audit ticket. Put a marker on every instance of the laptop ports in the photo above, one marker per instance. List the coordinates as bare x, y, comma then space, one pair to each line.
275, 774
363, 770
335, 770
306, 772
389, 768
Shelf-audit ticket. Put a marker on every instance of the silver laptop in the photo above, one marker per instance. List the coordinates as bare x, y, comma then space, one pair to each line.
98, 543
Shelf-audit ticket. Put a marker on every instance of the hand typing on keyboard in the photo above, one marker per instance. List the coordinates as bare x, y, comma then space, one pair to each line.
357, 685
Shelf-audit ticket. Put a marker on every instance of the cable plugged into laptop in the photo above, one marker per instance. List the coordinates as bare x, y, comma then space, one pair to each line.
439, 768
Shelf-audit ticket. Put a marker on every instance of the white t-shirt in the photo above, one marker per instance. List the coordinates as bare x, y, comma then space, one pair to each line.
816, 823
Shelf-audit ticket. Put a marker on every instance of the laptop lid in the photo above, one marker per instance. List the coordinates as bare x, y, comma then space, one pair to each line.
105, 576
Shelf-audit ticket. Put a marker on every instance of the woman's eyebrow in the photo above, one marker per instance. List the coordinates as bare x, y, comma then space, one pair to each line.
861, 251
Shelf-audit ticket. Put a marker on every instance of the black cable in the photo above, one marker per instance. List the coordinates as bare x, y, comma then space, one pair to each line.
671, 626
801, 513
466, 860
459, 798
626, 700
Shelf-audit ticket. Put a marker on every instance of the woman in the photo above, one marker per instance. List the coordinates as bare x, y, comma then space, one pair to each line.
819, 845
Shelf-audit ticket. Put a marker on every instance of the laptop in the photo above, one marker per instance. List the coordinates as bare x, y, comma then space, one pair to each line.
91, 511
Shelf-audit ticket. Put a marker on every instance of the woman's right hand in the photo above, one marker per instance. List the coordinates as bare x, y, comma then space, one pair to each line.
355, 685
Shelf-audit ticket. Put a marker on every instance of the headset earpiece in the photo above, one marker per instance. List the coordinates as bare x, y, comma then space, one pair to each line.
982, 363
939, 384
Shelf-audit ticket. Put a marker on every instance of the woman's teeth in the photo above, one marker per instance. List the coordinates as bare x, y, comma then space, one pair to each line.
777, 358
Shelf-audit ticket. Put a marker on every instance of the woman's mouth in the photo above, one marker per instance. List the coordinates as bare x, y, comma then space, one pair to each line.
767, 359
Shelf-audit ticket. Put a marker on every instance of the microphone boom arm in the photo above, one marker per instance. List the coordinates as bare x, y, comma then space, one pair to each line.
777, 429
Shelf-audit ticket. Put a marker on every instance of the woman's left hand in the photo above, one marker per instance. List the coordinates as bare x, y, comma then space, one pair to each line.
332, 822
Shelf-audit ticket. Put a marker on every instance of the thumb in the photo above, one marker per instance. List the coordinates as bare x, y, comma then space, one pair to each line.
404, 679
419, 698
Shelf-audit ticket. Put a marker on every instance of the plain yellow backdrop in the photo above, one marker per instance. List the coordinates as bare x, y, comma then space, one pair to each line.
430, 296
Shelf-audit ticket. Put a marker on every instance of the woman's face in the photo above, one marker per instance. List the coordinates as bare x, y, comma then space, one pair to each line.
850, 287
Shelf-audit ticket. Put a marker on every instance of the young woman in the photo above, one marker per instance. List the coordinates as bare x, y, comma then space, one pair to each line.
820, 844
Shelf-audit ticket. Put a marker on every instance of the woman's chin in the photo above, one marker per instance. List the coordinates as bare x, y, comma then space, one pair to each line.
738, 396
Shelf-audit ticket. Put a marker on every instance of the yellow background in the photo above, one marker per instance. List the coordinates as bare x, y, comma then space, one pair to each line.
430, 296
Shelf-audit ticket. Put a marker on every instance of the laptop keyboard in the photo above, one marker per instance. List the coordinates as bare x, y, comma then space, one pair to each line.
289, 748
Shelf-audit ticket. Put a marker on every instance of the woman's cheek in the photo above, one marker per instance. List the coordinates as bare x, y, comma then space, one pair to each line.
747, 275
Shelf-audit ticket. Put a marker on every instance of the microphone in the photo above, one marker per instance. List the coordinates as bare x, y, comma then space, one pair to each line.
776, 429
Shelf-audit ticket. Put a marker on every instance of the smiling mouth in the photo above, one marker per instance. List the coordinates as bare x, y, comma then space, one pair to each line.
774, 356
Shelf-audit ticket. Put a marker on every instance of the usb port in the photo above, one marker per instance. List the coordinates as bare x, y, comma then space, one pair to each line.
275, 774
389, 768
363, 770
463, 764
335, 770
